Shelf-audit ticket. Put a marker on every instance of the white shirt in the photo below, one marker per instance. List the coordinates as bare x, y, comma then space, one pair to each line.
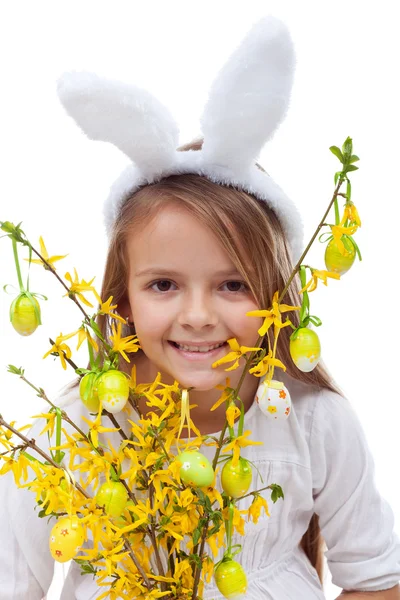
321, 459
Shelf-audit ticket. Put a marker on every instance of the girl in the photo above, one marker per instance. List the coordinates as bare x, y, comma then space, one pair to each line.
193, 248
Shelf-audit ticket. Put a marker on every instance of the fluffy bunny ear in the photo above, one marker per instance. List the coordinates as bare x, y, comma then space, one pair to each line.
123, 114
250, 96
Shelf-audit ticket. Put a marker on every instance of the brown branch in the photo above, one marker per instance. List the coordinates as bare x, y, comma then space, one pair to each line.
321, 224
116, 424
49, 267
137, 563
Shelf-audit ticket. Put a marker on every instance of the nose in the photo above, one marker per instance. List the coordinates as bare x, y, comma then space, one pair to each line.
197, 311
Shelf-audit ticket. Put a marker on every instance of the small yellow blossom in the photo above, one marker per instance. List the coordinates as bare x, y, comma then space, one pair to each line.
77, 287
338, 231
316, 274
51, 420
237, 520
83, 334
237, 443
45, 254
272, 316
122, 345
225, 395
235, 355
18, 466
232, 413
351, 213
61, 350
262, 367
107, 307
256, 506
95, 427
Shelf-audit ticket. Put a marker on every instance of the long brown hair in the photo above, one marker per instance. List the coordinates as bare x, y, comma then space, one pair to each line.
253, 237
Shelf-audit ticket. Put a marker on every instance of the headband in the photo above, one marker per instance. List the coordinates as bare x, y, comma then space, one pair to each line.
247, 102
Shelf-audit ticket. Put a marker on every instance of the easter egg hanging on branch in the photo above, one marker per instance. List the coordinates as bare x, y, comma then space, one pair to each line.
88, 392
113, 390
25, 314
236, 480
113, 497
66, 539
273, 399
335, 261
305, 349
196, 469
231, 579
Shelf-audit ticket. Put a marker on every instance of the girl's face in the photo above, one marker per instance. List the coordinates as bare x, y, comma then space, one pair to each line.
185, 298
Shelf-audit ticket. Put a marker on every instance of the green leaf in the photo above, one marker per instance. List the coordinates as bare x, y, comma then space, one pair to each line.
350, 168
353, 159
347, 148
196, 536
277, 492
337, 152
15, 370
96, 329
195, 558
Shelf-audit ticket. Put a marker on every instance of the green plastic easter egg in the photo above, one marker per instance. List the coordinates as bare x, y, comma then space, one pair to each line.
23, 316
335, 261
113, 497
113, 390
88, 392
196, 469
305, 350
236, 480
122, 521
231, 579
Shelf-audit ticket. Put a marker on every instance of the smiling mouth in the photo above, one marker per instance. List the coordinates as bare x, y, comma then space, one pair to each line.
200, 349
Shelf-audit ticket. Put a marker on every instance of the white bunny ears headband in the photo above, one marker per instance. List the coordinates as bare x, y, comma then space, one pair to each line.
247, 102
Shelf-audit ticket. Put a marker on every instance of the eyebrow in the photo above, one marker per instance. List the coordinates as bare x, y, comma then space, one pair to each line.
164, 271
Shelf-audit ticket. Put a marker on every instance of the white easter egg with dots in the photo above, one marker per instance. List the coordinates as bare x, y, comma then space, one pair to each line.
274, 400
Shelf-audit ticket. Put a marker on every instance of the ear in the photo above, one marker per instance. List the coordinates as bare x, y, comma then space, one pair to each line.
124, 309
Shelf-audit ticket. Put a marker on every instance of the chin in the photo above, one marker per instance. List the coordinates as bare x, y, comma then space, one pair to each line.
201, 382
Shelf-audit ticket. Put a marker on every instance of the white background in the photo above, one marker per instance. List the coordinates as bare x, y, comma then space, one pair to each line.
54, 179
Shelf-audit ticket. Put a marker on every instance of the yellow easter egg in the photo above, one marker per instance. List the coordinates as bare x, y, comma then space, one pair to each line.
23, 316
305, 350
231, 579
113, 497
236, 480
335, 261
66, 539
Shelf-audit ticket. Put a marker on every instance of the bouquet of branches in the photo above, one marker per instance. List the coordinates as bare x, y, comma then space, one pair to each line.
148, 518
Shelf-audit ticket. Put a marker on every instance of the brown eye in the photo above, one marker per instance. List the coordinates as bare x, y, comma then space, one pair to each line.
236, 286
163, 285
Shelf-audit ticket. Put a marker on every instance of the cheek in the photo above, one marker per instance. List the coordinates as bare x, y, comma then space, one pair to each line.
150, 321
246, 327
